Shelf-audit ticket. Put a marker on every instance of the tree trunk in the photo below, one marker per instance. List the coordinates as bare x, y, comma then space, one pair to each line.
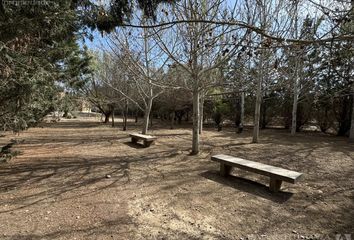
124, 121
106, 117
179, 116
113, 116
264, 114
201, 117
125, 115
147, 116
296, 78
150, 94
295, 102
242, 118
351, 132
172, 120
136, 117
196, 120
257, 110
260, 76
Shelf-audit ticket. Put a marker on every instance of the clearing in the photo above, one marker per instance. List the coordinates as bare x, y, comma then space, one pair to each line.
58, 187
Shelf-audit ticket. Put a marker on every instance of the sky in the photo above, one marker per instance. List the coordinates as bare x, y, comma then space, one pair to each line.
96, 43
98, 40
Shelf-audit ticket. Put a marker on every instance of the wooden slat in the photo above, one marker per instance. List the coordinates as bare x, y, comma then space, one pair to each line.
142, 136
260, 168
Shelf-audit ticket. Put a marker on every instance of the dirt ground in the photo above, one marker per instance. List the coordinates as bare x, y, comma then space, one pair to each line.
58, 188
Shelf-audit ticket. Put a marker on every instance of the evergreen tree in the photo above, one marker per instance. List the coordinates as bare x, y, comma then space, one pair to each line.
39, 51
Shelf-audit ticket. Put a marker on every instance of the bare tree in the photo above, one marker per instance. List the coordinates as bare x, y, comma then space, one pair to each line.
96, 90
143, 62
200, 49
296, 73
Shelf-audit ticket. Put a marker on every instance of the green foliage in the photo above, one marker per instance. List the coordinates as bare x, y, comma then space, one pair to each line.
40, 56
117, 12
37, 51
333, 98
221, 110
66, 104
6, 153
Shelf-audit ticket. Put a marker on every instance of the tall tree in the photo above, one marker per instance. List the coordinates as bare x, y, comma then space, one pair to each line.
137, 53
191, 42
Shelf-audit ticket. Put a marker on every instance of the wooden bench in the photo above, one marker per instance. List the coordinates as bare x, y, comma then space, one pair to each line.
276, 174
148, 140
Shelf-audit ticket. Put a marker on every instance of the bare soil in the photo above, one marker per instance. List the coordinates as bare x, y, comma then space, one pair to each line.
58, 187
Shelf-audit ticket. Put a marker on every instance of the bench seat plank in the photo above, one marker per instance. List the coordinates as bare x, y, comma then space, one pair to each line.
142, 136
267, 170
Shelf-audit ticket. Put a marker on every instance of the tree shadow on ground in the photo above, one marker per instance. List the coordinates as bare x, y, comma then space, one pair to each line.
63, 178
213, 145
249, 186
171, 134
70, 140
112, 229
68, 125
120, 228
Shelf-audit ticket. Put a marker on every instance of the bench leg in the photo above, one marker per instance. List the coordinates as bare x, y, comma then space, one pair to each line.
134, 140
224, 169
148, 143
274, 185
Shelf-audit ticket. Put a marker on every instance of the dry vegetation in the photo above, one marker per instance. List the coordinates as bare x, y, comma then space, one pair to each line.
58, 187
